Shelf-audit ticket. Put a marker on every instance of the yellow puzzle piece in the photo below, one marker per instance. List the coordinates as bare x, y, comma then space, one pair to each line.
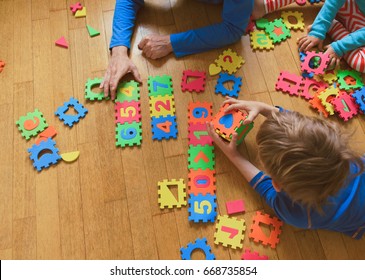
298, 17
166, 197
260, 41
229, 231
81, 13
230, 61
323, 96
162, 106
71, 156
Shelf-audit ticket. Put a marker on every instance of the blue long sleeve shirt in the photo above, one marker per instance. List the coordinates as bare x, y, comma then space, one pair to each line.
323, 22
235, 18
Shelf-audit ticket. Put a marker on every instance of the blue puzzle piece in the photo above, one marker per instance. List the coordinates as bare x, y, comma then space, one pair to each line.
302, 56
223, 78
359, 96
314, 1
49, 157
202, 208
307, 75
71, 119
198, 244
164, 127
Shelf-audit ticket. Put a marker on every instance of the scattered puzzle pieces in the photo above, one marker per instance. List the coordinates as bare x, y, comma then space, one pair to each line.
229, 232
260, 40
198, 244
92, 95
325, 97
277, 31
235, 206
248, 255
311, 85
31, 124
92, 31
166, 197
230, 61
68, 119
359, 96
354, 80
222, 89
70, 156
75, 7
202, 208
61, 42
49, 132
44, 155
81, 13
298, 16
193, 81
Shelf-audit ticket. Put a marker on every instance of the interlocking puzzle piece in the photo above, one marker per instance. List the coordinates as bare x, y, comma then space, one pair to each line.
301, 2
198, 244
44, 155
162, 106
201, 181
92, 31
49, 132
164, 128
230, 61
354, 80
127, 91
202, 208
261, 23
75, 7
67, 119
166, 197
196, 83
31, 124
298, 16
359, 96
345, 105
201, 157
289, 83
127, 112
81, 13
214, 69
277, 31
160, 85
224, 78
70, 157
315, 1
200, 112
322, 63
198, 134
235, 206
2, 65
248, 255
307, 75
311, 85
330, 76
229, 231
302, 56
260, 40
259, 236
128, 134
90, 94
325, 95
61, 42
316, 103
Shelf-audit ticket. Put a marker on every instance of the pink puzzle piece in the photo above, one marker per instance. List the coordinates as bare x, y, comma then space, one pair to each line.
248, 255
236, 206
61, 42
75, 7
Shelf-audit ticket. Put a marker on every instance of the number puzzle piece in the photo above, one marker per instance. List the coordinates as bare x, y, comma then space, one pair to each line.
201, 157
311, 85
349, 79
70, 120
81, 13
166, 197
311, 57
359, 96
2, 65
277, 31
164, 128
160, 85
230, 61
202, 208
199, 112
235, 206
128, 134
198, 244
127, 112
162, 106
90, 94
248, 255
299, 21
229, 232
325, 95
260, 40
75, 7
198, 134
49, 132
44, 155
201, 181
193, 81
289, 83
31, 124
224, 78
345, 105
61, 42
128, 91
316, 103
259, 236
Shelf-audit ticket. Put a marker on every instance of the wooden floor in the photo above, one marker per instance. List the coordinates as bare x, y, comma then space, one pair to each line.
104, 206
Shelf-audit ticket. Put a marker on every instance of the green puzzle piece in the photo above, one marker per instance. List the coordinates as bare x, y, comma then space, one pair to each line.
342, 74
242, 131
277, 31
92, 31
160, 85
128, 91
31, 124
90, 94
128, 134
201, 157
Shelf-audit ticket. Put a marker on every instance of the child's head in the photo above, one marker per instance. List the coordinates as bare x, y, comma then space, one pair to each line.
308, 158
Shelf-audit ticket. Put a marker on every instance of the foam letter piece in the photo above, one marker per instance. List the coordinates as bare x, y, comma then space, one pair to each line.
128, 134
201, 157
345, 106
230, 61
353, 76
309, 84
316, 103
229, 231
325, 97
201, 181
61, 42
70, 120
202, 208
31, 124
236, 206
198, 81
44, 155
89, 93
198, 244
359, 96
166, 197
289, 83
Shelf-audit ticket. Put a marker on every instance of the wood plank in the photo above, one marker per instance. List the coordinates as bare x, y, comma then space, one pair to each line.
40, 9
25, 239
6, 254
107, 5
74, 22
355, 248
328, 239
310, 245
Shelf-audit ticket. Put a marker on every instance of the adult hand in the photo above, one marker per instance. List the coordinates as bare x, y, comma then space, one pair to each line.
334, 58
253, 108
307, 42
119, 65
155, 46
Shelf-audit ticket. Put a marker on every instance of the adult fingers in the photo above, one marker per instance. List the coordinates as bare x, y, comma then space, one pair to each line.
136, 74
142, 43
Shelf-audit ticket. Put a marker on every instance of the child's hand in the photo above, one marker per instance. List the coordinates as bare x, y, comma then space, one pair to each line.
334, 58
253, 108
307, 42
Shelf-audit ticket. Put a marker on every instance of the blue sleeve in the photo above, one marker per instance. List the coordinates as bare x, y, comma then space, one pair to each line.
325, 17
352, 41
235, 18
263, 185
123, 22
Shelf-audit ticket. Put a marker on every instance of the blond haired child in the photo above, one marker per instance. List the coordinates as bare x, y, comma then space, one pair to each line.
312, 178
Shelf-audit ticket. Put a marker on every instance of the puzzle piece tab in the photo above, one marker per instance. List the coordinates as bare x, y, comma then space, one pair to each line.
67, 119
198, 244
44, 155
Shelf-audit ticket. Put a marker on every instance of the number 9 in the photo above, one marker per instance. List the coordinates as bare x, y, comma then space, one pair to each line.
200, 112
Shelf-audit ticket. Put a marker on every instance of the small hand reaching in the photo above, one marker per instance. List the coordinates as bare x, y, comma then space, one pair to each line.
307, 42
334, 58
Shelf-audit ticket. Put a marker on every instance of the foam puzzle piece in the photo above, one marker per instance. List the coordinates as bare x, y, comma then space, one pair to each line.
261, 23
346, 106
325, 95
250, 26
128, 91
235, 206
354, 79
323, 63
201, 181
160, 85
301, 2
127, 112
311, 84
259, 236
230, 61
359, 96
299, 25
89, 93
289, 83
221, 88
330, 76
248, 255
70, 156
67, 119
315, 1
260, 40
200, 112
202, 208
128, 134
162, 106
166, 197
2, 65
49, 132
198, 244
316, 103
75, 7
214, 69
277, 31
307, 75
61, 42
92, 31
197, 83
229, 231
198, 134
201, 157
164, 128
31, 124
81, 13
44, 155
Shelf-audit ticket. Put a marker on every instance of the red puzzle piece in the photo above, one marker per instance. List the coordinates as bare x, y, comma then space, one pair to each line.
127, 112
346, 106
311, 84
289, 83
316, 103
75, 7
61, 42
49, 132
197, 84
248, 255
198, 134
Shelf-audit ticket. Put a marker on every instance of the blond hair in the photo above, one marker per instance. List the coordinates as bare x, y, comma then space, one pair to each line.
307, 157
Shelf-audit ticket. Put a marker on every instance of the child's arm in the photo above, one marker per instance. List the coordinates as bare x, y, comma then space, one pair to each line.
352, 41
